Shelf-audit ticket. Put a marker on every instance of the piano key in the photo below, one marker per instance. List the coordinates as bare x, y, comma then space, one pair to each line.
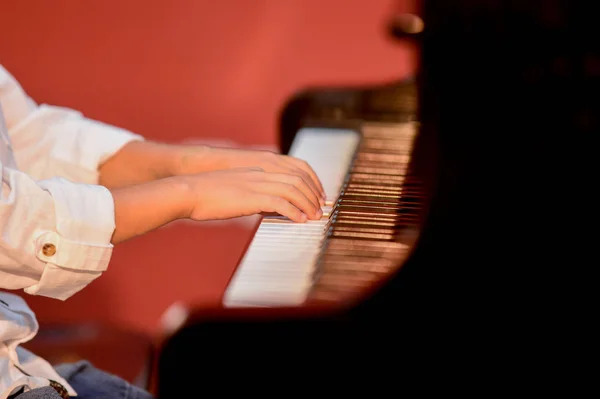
366, 245
360, 235
329, 152
278, 264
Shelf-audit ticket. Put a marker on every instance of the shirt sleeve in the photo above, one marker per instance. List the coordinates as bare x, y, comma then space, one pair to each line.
56, 221
56, 235
49, 141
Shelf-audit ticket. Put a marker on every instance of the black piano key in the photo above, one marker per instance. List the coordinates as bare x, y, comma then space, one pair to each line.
370, 225
369, 209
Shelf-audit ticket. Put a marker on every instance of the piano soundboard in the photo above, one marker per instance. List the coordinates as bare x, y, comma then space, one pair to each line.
365, 231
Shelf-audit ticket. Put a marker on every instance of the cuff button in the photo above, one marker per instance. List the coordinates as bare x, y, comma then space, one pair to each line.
49, 249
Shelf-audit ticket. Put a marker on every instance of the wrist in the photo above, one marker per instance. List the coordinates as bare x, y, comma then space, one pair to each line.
144, 207
183, 188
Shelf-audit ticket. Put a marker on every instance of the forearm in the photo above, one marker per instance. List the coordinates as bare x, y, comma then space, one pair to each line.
138, 162
144, 207
145, 161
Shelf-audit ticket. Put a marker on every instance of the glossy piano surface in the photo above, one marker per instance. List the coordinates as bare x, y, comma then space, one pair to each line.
507, 110
307, 283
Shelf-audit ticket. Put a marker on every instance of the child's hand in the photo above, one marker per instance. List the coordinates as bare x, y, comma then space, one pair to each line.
226, 194
202, 159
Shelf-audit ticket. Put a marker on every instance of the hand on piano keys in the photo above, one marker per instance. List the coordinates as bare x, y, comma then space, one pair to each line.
271, 162
368, 209
202, 159
226, 194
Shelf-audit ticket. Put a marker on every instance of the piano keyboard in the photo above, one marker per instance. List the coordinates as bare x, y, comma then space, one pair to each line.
359, 236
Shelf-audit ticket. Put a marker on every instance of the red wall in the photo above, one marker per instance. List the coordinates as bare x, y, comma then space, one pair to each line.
187, 70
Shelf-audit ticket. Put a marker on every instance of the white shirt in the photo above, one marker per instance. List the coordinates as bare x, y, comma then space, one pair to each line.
56, 222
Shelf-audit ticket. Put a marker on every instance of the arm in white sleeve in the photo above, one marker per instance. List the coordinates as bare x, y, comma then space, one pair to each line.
56, 235
49, 141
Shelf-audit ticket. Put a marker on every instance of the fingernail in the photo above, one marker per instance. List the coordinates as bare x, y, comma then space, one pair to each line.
303, 217
319, 213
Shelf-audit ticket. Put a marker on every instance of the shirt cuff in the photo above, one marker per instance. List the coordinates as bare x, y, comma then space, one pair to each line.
80, 248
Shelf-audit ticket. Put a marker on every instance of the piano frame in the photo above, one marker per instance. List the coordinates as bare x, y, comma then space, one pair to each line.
508, 106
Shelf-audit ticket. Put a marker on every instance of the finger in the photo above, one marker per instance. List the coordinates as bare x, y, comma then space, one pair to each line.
255, 169
280, 165
316, 192
306, 168
296, 177
303, 165
311, 183
292, 194
296, 181
245, 169
272, 203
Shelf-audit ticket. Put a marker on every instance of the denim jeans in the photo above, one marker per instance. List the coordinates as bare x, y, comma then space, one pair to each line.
89, 383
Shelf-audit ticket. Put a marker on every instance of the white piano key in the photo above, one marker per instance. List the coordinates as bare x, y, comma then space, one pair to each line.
277, 268
329, 152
